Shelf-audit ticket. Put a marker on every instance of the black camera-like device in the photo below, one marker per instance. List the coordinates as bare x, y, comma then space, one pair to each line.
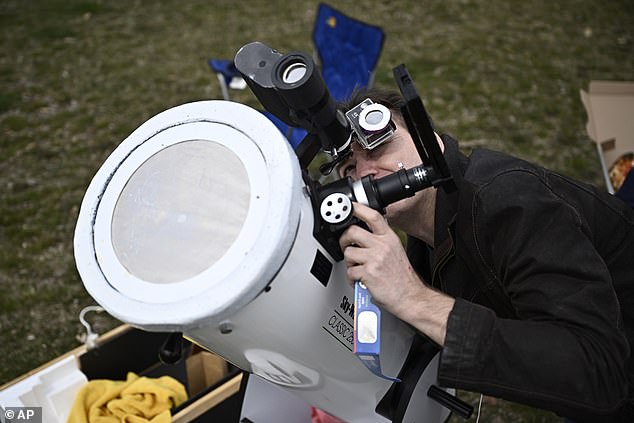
371, 123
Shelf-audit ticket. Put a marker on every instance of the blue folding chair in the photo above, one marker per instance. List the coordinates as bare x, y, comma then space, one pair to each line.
348, 50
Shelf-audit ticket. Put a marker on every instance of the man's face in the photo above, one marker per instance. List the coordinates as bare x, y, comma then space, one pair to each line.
382, 161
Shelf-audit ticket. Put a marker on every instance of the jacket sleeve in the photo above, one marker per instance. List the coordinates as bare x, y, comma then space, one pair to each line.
567, 351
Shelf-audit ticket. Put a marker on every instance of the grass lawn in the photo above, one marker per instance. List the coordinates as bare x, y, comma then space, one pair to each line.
77, 76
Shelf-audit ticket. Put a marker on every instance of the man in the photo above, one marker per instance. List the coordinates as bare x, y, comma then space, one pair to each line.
523, 277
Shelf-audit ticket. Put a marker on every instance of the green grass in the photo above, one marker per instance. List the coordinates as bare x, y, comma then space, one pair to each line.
76, 77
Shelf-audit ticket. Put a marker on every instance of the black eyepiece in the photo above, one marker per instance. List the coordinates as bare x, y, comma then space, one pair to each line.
299, 83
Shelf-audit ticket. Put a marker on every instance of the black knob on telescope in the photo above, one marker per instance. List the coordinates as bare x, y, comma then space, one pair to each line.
171, 351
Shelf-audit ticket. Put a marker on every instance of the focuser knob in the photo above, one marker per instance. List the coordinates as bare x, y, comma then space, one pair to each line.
335, 208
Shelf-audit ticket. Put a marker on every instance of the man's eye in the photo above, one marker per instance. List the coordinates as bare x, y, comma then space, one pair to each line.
347, 170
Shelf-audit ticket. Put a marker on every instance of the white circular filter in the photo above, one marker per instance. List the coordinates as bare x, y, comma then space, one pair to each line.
374, 118
175, 218
190, 217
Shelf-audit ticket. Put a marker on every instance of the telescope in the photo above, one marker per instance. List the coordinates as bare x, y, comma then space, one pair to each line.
204, 222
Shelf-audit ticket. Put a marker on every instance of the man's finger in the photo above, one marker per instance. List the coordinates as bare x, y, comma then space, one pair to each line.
354, 256
355, 273
355, 235
375, 220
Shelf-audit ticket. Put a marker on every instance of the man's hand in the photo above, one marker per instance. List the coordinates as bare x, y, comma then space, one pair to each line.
377, 258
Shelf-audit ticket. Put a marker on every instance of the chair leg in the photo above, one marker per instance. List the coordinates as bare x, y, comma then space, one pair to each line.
223, 86
371, 80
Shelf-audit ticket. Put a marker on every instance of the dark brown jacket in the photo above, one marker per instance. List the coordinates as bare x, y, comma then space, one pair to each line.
542, 268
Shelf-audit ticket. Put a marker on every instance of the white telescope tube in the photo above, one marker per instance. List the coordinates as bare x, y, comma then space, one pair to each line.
199, 223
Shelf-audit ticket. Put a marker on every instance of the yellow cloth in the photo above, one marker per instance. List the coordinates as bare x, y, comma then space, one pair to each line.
136, 400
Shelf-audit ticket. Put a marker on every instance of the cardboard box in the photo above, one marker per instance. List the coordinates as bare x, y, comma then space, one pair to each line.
204, 369
212, 384
610, 109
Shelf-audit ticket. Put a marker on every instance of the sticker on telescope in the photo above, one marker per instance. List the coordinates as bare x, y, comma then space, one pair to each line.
367, 331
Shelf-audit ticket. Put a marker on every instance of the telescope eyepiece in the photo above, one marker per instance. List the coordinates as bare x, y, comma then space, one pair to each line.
298, 82
294, 72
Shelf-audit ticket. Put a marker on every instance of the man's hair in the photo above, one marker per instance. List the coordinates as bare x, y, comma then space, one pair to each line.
390, 99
